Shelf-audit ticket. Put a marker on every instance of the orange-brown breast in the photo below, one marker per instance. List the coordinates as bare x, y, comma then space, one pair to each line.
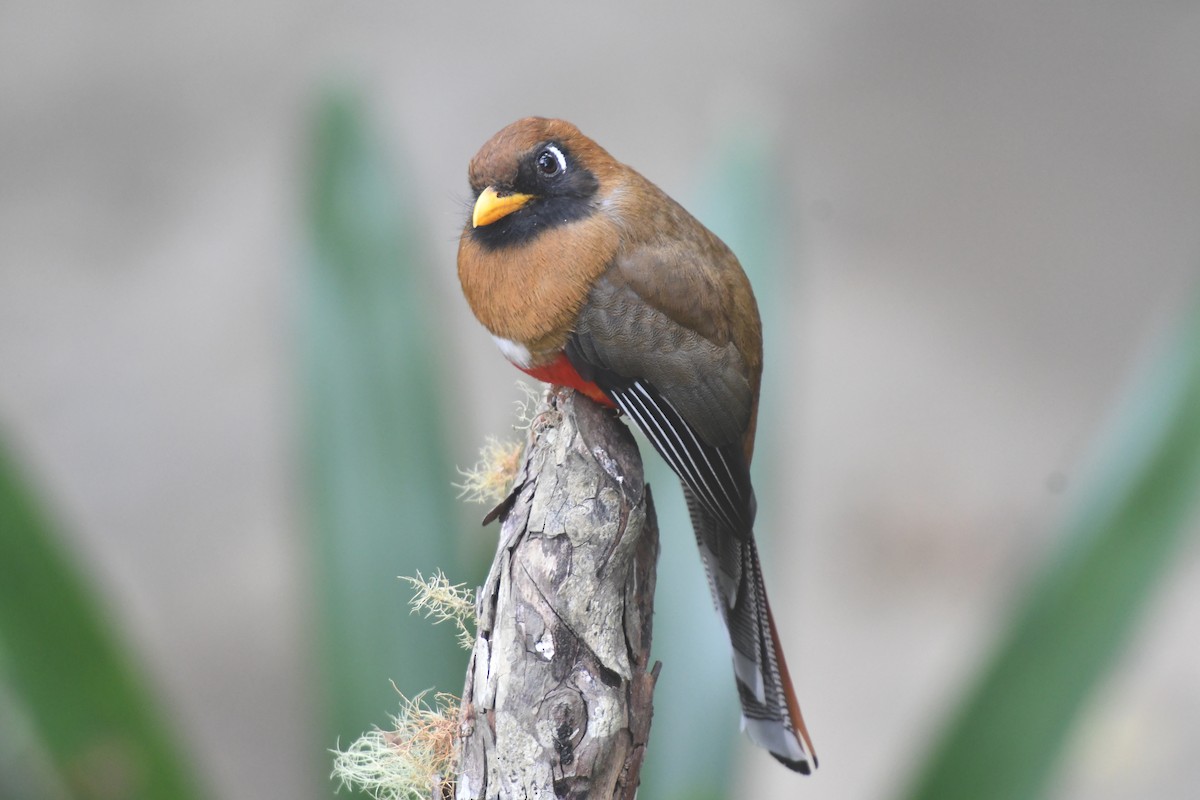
532, 294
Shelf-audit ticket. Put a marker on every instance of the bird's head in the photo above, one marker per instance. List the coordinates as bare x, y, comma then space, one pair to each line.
532, 176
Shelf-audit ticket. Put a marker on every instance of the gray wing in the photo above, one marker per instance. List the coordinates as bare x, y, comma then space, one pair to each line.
688, 394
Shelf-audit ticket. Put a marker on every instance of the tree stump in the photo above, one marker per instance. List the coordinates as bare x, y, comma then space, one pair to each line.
558, 697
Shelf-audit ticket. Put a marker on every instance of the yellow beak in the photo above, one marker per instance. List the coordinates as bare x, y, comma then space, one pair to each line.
492, 206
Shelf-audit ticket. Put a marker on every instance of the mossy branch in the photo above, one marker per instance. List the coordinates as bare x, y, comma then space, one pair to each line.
558, 695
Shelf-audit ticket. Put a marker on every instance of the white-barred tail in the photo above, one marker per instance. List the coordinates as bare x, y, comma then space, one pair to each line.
770, 713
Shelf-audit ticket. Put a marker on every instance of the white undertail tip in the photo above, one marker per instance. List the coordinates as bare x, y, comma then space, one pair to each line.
782, 742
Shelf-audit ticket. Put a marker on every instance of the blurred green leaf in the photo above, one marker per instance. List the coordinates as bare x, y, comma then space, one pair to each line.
79, 691
380, 494
1007, 735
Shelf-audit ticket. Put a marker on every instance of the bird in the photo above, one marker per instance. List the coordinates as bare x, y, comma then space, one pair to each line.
589, 276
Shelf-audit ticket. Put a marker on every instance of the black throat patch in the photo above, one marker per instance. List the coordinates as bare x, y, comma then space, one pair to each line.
557, 200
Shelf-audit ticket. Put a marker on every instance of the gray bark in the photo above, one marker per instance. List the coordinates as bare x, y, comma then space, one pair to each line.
557, 702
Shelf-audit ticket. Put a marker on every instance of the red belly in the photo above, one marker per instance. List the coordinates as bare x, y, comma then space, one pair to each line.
559, 372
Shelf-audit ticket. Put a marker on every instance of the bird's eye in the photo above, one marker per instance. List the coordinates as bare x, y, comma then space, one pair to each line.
551, 162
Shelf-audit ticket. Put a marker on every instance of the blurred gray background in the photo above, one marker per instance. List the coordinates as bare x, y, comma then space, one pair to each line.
994, 209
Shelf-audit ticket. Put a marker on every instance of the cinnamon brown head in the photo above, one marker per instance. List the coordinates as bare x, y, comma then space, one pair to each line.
532, 176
